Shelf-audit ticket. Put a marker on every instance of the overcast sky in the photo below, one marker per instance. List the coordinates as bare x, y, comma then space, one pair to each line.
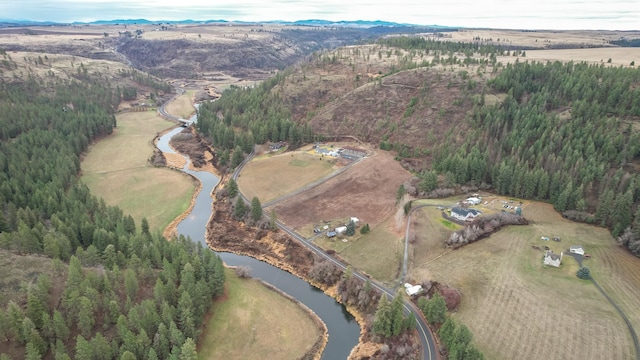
519, 14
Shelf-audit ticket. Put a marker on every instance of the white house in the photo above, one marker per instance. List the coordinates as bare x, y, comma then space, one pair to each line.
576, 249
340, 229
464, 214
552, 259
474, 201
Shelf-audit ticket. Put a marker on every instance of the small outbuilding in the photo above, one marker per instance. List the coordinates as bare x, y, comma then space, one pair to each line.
474, 201
576, 249
412, 289
340, 229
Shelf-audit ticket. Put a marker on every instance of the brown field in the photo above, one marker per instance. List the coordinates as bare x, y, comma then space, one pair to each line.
182, 106
542, 38
367, 191
253, 321
518, 308
619, 56
124, 178
270, 177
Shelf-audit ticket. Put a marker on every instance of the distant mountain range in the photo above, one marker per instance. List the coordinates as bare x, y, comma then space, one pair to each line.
310, 22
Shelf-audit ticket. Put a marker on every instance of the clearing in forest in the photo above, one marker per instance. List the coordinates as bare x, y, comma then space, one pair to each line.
518, 308
124, 178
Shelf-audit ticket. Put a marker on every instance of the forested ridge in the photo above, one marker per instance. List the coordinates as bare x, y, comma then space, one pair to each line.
259, 114
126, 292
566, 133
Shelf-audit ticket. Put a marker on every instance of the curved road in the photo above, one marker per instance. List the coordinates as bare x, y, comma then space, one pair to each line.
429, 349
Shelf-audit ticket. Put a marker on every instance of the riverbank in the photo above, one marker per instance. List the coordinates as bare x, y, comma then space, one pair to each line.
177, 162
277, 249
251, 317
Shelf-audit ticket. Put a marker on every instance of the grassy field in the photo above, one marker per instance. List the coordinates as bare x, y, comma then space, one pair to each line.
378, 253
123, 177
182, 106
518, 308
255, 322
263, 177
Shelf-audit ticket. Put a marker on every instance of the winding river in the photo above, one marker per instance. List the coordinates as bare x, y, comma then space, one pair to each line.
344, 331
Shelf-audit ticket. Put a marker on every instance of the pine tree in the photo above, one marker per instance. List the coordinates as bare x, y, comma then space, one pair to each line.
240, 210
436, 309
382, 322
188, 350
232, 187
351, 228
256, 209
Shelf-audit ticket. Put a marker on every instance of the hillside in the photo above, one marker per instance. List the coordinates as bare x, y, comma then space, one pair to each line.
464, 114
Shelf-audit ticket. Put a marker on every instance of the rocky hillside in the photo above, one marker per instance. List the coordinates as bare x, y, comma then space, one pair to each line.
247, 51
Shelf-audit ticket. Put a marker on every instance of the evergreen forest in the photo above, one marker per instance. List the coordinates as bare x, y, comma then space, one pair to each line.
117, 290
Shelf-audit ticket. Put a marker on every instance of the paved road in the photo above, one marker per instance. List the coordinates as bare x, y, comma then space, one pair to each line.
162, 111
429, 349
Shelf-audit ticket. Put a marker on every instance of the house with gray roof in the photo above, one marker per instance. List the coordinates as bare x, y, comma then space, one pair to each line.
464, 214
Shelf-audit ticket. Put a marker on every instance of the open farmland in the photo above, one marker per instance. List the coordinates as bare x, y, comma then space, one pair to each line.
124, 178
378, 253
619, 56
253, 320
270, 177
182, 106
367, 191
518, 308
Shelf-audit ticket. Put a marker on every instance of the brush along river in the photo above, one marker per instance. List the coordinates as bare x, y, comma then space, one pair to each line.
342, 327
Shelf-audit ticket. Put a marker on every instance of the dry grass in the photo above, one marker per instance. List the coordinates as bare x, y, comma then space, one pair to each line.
540, 38
124, 178
254, 321
61, 66
618, 56
378, 253
17, 272
182, 106
518, 308
270, 177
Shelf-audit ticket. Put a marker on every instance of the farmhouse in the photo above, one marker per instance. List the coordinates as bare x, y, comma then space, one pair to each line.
576, 249
552, 259
464, 214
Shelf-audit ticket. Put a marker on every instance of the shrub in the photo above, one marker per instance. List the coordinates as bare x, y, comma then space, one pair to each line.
584, 273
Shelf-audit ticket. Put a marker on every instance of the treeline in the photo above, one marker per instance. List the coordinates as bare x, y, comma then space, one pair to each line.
243, 117
563, 134
626, 42
441, 47
386, 322
108, 310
